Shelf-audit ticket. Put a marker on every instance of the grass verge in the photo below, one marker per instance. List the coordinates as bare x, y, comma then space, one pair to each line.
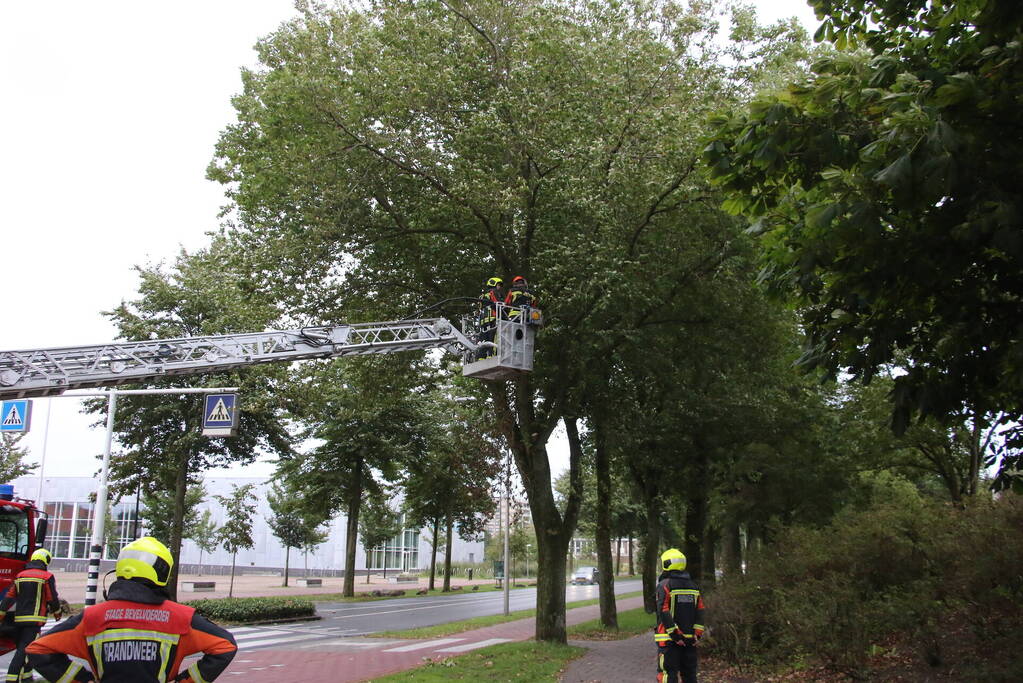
630, 623
478, 622
525, 661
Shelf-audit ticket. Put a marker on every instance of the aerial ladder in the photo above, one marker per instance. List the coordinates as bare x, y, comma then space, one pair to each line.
52, 371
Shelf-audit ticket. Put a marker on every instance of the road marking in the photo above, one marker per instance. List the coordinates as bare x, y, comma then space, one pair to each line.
262, 641
474, 646
425, 645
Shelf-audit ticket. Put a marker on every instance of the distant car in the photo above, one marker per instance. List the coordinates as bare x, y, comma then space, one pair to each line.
584, 576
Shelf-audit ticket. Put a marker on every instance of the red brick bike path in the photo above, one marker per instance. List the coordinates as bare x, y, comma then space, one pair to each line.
321, 662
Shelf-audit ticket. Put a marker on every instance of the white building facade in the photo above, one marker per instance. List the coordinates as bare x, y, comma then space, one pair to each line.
67, 502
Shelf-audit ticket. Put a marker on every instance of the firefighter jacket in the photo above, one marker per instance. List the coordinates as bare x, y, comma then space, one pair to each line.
33, 594
489, 301
679, 609
136, 636
519, 296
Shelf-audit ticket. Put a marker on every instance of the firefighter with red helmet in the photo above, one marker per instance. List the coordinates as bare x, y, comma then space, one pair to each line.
679, 620
33, 595
519, 296
138, 634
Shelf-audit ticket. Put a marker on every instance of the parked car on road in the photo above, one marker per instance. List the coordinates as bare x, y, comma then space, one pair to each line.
584, 576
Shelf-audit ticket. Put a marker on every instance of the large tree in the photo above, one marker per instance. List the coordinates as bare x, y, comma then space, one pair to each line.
162, 447
452, 487
389, 157
367, 419
885, 189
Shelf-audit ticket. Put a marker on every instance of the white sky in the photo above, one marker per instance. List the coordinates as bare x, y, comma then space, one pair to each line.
109, 112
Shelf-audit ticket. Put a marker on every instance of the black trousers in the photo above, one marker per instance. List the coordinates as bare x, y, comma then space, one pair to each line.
19, 669
674, 660
488, 332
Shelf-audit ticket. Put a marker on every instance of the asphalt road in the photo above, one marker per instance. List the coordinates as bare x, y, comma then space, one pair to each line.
360, 618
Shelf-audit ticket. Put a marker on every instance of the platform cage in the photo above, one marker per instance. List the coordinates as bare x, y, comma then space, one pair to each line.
514, 341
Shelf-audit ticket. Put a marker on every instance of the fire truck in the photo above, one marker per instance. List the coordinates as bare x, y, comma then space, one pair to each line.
22, 530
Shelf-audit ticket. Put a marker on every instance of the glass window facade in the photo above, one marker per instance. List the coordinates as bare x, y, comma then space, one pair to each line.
71, 529
401, 553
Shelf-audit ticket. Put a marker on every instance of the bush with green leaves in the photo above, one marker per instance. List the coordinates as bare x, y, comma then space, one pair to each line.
240, 610
894, 569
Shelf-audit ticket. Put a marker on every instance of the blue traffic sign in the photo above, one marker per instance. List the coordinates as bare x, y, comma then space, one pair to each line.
16, 416
220, 415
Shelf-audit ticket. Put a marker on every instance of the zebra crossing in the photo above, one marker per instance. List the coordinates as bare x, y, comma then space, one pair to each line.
318, 636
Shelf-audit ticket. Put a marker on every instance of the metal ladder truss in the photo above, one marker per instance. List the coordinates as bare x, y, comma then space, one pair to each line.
46, 372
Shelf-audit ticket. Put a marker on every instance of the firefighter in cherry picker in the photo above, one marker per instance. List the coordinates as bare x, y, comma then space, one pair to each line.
138, 635
679, 620
490, 303
33, 595
519, 296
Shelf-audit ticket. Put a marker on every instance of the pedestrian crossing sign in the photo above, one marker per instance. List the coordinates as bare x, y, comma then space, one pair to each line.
220, 415
16, 416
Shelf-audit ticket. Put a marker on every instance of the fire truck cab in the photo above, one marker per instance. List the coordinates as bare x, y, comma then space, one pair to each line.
22, 530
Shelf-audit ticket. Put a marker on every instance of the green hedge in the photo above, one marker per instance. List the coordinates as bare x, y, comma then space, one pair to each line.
252, 609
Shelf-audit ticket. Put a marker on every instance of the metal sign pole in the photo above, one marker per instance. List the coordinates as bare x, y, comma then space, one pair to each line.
100, 518
507, 532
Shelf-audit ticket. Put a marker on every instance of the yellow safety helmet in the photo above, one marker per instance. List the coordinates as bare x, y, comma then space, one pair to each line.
495, 282
42, 555
673, 560
145, 558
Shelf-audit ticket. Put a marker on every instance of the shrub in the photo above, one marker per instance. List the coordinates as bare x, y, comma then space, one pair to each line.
241, 610
932, 577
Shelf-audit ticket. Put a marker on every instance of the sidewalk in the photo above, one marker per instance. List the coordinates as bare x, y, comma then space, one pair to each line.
357, 659
633, 661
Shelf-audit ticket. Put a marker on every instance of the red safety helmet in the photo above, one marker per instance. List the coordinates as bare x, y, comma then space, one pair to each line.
517, 279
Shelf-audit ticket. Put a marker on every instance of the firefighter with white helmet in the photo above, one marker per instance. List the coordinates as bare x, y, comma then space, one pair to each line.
138, 634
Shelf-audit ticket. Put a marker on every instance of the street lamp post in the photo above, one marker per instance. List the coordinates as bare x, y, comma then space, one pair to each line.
507, 532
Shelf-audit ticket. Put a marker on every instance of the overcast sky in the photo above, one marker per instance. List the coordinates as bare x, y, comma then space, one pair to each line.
109, 112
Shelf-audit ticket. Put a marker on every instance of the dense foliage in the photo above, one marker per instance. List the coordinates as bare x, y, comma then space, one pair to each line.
885, 190
895, 573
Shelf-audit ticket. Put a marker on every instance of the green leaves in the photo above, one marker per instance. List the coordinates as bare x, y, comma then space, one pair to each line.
917, 141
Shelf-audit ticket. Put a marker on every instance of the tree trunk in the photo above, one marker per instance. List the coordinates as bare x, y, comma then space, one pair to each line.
526, 436
200, 560
649, 566
230, 590
696, 514
709, 566
177, 522
352, 532
287, 557
433, 553
447, 554
602, 537
732, 551
618, 556
632, 566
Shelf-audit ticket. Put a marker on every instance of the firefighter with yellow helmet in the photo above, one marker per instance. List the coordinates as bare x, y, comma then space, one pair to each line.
491, 301
679, 620
138, 634
33, 595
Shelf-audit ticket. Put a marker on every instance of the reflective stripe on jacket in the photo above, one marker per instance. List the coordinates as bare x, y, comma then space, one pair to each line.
33, 594
133, 641
679, 609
